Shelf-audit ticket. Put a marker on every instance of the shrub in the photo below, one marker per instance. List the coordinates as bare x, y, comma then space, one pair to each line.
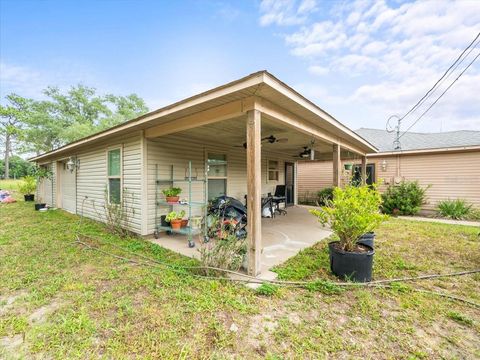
454, 209
28, 185
353, 212
325, 195
225, 248
404, 199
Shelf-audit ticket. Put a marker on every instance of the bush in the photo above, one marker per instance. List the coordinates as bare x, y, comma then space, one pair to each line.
404, 199
28, 185
325, 195
353, 212
454, 209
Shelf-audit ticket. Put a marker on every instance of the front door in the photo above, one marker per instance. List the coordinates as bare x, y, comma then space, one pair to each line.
290, 183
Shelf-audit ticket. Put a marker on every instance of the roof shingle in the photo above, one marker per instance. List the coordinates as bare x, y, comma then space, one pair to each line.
417, 141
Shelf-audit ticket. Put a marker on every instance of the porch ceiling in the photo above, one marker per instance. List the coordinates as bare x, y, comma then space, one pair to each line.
232, 133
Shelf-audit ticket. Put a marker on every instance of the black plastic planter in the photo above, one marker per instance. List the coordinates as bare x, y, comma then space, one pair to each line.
367, 239
350, 265
40, 206
29, 197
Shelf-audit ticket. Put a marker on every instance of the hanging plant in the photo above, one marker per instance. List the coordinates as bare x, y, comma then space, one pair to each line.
348, 166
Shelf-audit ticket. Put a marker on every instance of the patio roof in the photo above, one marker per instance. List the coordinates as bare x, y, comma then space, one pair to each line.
260, 90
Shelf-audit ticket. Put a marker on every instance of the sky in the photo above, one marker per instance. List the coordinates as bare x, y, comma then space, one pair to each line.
362, 61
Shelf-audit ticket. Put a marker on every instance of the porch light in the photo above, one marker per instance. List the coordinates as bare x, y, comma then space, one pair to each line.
384, 165
72, 164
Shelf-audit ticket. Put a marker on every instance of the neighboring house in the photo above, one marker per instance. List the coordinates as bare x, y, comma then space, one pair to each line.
210, 129
448, 161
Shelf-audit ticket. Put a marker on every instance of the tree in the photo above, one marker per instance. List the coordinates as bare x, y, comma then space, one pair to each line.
13, 116
18, 167
68, 116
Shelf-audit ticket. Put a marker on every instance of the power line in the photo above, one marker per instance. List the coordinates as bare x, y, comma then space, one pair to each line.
450, 73
441, 78
443, 93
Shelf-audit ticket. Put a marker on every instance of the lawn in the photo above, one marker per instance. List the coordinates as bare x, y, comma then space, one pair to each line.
59, 300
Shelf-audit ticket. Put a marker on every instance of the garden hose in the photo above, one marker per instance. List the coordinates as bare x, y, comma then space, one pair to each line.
244, 278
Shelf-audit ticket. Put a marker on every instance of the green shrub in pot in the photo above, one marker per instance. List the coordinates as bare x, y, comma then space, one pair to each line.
353, 211
27, 187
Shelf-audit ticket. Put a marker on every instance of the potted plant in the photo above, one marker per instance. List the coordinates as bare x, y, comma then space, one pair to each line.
354, 211
172, 194
28, 187
367, 239
174, 219
184, 220
347, 166
41, 173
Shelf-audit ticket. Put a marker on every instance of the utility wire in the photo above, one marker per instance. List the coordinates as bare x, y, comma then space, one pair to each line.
441, 95
439, 80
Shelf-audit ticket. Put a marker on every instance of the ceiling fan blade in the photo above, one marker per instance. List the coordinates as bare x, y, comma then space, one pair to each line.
282, 140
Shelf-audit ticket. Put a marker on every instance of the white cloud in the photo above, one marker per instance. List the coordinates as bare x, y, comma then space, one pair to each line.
318, 70
286, 12
392, 53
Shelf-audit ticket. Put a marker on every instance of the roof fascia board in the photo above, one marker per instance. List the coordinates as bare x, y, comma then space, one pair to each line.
249, 81
286, 90
426, 151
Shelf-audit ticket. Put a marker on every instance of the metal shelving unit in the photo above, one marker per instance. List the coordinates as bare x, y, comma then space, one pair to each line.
160, 184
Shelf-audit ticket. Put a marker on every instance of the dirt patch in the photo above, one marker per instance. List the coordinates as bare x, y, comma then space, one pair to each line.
10, 345
41, 314
6, 301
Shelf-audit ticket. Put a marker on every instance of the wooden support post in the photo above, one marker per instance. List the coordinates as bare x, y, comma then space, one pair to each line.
337, 166
254, 184
364, 170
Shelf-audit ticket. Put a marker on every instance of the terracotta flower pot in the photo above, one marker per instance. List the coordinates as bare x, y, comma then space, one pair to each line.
176, 224
172, 199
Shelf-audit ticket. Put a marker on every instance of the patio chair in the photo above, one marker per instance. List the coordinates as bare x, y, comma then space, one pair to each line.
280, 197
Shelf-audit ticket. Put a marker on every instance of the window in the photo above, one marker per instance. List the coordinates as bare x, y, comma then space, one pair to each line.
357, 174
273, 172
114, 176
217, 175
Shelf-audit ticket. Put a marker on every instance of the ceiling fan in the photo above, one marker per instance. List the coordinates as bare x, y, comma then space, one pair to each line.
308, 152
305, 154
268, 139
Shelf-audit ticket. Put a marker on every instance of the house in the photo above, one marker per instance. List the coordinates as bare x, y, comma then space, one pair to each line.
241, 138
448, 161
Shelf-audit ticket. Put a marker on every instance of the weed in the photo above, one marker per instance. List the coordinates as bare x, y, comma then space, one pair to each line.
267, 289
460, 318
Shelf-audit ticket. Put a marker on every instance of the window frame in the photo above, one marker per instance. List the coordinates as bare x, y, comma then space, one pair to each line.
276, 170
109, 149
225, 178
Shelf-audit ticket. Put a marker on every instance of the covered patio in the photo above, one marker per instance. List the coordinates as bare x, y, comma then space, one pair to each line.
260, 127
282, 238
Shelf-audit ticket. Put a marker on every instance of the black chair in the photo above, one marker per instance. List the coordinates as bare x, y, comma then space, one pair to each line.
280, 197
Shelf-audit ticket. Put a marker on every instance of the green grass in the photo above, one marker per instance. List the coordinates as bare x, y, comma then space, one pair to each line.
10, 184
90, 305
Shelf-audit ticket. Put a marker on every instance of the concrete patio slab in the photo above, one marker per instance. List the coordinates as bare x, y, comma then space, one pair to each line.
282, 237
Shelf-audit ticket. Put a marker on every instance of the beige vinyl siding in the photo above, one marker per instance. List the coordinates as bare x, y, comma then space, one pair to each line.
178, 150
451, 175
92, 178
313, 176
